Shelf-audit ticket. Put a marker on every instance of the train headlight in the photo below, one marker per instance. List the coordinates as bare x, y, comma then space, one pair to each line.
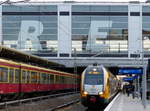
100, 93
85, 93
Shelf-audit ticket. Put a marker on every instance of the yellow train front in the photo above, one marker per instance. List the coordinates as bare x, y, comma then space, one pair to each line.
98, 86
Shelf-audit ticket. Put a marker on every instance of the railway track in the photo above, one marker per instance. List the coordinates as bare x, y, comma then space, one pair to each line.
64, 105
77, 106
21, 101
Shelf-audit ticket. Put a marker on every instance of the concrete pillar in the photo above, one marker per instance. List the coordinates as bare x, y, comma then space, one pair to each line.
135, 30
64, 29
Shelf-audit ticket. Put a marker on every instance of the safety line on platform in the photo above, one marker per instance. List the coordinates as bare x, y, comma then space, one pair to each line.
111, 103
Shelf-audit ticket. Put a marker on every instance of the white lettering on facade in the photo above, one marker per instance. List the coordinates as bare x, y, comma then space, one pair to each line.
30, 30
95, 33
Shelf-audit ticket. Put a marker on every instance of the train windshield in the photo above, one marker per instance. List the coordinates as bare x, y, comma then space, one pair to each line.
93, 79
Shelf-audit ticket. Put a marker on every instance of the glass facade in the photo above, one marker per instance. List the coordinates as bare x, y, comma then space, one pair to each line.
94, 29
99, 28
30, 28
146, 27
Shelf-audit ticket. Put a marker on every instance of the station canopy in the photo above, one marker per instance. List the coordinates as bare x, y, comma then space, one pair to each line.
13, 54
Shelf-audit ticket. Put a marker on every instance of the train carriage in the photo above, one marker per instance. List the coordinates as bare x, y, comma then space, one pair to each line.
16, 78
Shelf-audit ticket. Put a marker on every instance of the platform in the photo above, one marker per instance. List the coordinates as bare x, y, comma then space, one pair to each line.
124, 103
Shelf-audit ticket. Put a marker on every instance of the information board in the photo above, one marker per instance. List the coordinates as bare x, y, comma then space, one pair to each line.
130, 71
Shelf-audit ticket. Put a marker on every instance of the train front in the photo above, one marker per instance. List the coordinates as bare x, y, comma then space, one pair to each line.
92, 86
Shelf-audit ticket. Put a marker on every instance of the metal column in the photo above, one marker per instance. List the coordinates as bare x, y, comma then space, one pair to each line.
144, 87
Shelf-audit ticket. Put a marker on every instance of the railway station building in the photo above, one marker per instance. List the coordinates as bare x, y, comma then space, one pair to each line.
56, 30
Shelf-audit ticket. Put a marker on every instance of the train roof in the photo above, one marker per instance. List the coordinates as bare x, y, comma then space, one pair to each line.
15, 55
33, 68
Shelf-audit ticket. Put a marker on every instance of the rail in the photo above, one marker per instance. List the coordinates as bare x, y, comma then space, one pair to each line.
63, 105
5, 104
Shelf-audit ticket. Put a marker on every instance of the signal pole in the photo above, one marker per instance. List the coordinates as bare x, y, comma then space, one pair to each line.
75, 68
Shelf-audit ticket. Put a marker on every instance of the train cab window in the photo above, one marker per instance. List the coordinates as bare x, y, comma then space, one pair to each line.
24, 76
3, 74
93, 79
11, 75
51, 79
17, 72
33, 77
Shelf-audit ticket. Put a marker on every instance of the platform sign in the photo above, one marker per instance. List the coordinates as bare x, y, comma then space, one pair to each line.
130, 78
130, 71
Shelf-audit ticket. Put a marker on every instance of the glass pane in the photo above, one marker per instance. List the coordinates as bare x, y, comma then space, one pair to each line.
119, 8
97, 8
81, 8
33, 77
11, 75
52, 79
17, 75
24, 76
93, 79
146, 9
3, 74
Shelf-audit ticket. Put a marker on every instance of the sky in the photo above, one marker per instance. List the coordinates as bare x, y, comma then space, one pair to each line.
83, 0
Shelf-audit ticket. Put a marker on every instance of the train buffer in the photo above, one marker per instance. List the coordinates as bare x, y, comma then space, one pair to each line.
122, 102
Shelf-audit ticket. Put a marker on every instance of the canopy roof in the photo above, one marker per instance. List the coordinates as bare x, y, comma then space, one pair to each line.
19, 56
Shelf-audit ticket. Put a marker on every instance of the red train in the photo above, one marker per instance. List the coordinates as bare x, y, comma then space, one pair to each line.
20, 78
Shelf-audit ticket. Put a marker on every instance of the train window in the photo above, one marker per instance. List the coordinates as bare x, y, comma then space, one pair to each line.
57, 79
46, 81
17, 72
48, 78
67, 80
28, 77
43, 78
33, 77
3, 74
52, 79
73, 80
63, 79
24, 76
11, 75
38, 77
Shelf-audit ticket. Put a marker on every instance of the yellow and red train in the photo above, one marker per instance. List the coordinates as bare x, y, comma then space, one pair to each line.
98, 86
16, 78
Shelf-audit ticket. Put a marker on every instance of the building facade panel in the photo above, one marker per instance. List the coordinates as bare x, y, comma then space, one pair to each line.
99, 29
30, 28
